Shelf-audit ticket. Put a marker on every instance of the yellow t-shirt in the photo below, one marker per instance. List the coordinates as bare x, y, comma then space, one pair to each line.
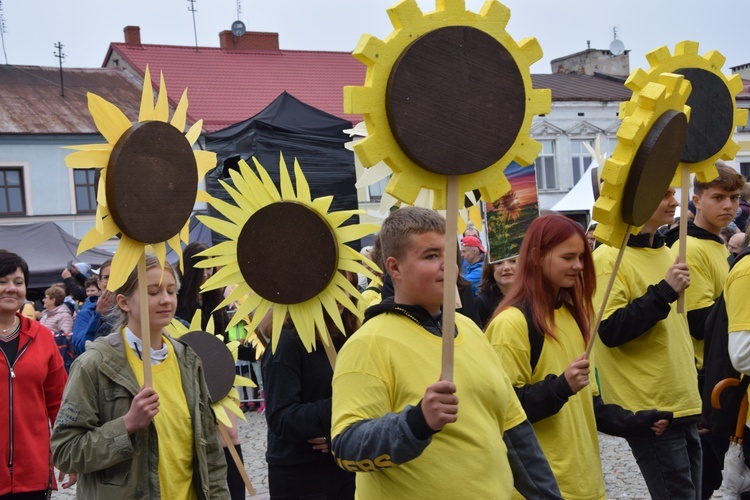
656, 370
174, 426
569, 437
736, 292
370, 297
708, 264
386, 366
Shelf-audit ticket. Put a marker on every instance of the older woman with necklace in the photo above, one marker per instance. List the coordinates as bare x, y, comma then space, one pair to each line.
32, 379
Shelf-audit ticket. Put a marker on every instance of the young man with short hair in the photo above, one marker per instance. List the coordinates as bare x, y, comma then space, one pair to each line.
716, 204
398, 427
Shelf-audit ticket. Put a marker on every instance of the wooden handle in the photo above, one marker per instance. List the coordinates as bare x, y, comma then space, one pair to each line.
236, 457
450, 274
330, 350
610, 284
684, 201
145, 325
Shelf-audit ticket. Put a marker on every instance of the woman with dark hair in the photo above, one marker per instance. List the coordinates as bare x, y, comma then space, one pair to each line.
298, 412
32, 379
190, 298
126, 440
540, 333
497, 278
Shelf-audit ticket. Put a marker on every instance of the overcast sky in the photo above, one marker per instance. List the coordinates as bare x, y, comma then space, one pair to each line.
86, 27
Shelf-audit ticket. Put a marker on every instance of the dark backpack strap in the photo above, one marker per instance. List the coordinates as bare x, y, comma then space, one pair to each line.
536, 339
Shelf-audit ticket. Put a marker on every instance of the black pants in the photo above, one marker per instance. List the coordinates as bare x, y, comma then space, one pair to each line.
235, 483
32, 495
322, 480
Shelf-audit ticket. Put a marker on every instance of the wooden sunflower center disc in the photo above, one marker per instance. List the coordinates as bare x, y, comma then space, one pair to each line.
287, 253
217, 361
455, 100
711, 115
151, 183
653, 167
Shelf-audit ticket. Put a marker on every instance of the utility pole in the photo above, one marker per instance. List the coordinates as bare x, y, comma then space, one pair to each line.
59, 54
3, 31
191, 8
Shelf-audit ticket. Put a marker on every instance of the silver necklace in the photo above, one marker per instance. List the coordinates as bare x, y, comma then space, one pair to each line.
5, 330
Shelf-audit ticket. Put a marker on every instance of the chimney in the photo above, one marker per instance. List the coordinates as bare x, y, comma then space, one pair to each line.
132, 35
252, 40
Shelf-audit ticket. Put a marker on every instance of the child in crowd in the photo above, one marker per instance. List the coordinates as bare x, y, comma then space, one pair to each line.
394, 424
129, 441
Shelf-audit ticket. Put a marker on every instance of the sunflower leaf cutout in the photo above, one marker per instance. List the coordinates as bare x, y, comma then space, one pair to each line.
146, 166
447, 93
218, 364
285, 251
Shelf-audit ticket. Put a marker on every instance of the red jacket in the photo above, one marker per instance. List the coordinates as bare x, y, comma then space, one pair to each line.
29, 402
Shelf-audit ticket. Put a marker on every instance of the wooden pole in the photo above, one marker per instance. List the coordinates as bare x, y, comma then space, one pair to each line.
684, 201
145, 325
607, 291
450, 274
236, 457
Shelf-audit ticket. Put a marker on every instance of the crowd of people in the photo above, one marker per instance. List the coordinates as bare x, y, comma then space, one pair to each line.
519, 419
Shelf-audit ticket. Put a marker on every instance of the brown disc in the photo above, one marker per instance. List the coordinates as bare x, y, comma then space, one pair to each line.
152, 180
711, 115
653, 167
287, 252
217, 361
455, 100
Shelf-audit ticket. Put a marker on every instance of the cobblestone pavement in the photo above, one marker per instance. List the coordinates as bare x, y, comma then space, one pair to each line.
621, 475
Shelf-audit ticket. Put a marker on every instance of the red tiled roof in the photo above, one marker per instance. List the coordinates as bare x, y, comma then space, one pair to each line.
226, 87
30, 100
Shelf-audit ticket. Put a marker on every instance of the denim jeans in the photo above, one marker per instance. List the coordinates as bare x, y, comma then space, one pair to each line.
671, 463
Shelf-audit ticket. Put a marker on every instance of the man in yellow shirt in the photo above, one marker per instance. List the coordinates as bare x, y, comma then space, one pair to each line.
396, 426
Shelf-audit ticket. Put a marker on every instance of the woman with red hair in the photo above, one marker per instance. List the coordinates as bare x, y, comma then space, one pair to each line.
540, 333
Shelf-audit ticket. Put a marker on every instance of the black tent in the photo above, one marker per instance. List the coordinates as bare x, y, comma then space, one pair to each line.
46, 248
298, 130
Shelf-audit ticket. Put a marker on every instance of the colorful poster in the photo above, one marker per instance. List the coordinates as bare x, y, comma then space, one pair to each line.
508, 219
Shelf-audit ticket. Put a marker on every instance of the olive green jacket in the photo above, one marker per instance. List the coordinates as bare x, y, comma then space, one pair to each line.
90, 439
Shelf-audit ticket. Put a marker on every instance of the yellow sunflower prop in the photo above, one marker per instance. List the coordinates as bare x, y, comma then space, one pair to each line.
712, 100
655, 101
447, 93
230, 401
149, 181
284, 251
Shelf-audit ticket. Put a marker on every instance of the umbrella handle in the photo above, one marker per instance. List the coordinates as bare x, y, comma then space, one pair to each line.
739, 431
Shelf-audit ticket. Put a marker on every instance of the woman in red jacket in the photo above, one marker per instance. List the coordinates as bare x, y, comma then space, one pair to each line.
32, 379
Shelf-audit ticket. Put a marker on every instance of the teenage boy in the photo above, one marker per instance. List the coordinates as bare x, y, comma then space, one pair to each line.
398, 427
716, 204
644, 356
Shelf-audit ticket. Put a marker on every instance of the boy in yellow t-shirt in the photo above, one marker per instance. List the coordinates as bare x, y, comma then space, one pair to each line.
397, 427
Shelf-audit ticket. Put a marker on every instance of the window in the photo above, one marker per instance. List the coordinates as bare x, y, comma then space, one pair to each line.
376, 190
544, 164
580, 158
12, 201
745, 169
85, 185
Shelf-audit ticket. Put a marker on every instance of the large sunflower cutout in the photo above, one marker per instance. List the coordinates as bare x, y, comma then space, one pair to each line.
284, 251
712, 100
149, 181
447, 93
646, 138
219, 366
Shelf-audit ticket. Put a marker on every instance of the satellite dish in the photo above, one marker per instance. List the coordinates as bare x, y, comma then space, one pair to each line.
238, 28
616, 47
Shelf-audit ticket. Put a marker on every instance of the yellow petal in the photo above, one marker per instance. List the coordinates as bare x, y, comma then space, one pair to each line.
304, 324
194, 132
303, 189
206, 160
88, 159
267, 181
225, 276
126, 257
100, 146
94, 238
161, 110
279, 316
332, 309
180, 113
232, 406
147, 99
174, 244
225, 247
223, 227
243, 381
109, 120
322, 204
195, 322
354, 232
221, 415
287, 191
